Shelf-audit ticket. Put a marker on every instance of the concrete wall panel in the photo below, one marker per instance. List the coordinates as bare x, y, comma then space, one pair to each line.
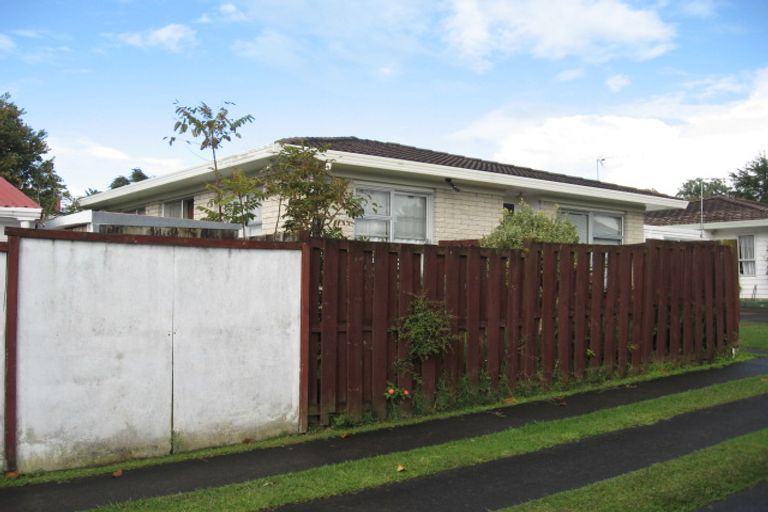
94, 348
236, 345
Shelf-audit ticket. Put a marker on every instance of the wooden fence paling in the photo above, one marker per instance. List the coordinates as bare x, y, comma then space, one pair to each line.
638, 279
473, 316
581, 285
329, 327
493, 329
698, 293
549, 282
428, 368
676, 282
514, 291
596, 320
612, 289
709, 316
687, 298
530, 321
625, 295
452, 306
564, 311
379, 329
647, 301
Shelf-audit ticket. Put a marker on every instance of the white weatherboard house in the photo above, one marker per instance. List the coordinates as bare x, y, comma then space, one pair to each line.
16, 209
422, 196
722, 218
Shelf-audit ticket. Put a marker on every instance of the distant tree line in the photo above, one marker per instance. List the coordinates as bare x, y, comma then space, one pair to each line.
749, 182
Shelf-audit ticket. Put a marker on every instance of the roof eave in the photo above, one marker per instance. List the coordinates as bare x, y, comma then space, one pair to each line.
710, 226
485, 177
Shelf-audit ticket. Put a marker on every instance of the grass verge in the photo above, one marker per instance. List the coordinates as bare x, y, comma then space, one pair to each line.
682, 484
753, 335
355, 475
654, 371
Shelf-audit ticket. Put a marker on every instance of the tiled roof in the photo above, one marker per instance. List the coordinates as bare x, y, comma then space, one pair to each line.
413, 154
11, 197
716, 209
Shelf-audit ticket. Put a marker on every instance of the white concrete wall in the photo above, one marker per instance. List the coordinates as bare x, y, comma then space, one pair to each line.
127, 350
236, 345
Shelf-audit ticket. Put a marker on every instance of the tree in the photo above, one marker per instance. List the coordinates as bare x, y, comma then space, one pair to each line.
317, 203
22, 161
214, 128
751, 182
691, 190
526, 225
235, 199
121, 181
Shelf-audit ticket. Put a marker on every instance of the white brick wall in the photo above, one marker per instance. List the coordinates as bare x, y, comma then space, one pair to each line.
465, 215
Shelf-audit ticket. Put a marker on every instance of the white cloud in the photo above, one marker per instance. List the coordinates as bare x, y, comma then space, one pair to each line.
617, 82
29, 33
203, 19
173, 38
231, 13
270, 47
699, 8
657, 144
6, 44
568, 75
593, 30
84, 163
711, 87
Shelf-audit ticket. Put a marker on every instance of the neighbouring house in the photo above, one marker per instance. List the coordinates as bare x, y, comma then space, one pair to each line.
16, 209
421, 196
722, 218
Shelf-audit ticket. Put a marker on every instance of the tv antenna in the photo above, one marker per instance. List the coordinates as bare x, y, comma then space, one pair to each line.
600, 161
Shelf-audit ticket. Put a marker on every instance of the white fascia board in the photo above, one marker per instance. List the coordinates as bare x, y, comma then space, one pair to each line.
20, 213
200, 171
734, 224
442, 171
73, 219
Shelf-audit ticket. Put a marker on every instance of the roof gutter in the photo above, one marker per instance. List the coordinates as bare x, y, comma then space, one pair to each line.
710, 226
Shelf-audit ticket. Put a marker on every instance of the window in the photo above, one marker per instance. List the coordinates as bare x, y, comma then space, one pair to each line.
180, 208
392, 215
747, 255
597, 228
510, 207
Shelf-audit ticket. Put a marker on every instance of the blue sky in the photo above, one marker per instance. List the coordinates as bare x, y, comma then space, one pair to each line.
663, 90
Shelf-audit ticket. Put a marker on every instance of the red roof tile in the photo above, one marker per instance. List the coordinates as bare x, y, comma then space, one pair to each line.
11, 197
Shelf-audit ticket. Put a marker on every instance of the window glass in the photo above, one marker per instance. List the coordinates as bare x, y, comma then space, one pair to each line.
747, 255
410, 214
372, 229
606, 226
581, 221
172, 209
377, 201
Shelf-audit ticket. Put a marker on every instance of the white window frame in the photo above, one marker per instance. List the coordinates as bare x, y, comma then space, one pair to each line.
427, 194
743, 260
590, 214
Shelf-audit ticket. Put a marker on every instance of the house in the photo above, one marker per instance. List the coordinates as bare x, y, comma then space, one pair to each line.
421, 196
722, 218
16, 209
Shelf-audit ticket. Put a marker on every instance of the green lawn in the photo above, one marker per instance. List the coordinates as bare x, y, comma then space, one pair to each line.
352, 476
753, 335
683, 484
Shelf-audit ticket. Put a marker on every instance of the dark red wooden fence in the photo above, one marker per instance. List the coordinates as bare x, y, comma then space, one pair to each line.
553, 311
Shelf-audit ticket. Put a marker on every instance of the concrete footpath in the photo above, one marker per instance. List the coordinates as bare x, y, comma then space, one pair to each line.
749, 500
510, 481
216, 471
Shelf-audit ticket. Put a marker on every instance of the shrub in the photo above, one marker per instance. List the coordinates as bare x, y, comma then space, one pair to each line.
427, 328
526, 225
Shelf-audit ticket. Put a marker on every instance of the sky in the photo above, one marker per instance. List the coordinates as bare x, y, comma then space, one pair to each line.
658, 91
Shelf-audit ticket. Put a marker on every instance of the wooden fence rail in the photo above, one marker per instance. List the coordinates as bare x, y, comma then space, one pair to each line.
550, 312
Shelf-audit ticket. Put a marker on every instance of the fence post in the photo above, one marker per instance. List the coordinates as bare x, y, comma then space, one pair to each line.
11, 351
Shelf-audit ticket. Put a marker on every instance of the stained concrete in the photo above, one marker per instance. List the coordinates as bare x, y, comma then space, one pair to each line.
216, 471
